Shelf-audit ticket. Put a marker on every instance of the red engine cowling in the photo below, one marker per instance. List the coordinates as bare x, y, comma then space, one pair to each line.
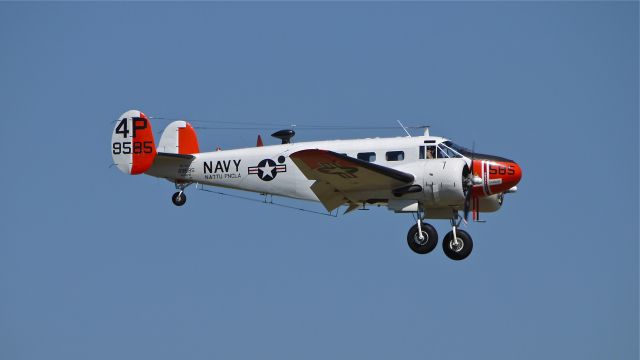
494, 176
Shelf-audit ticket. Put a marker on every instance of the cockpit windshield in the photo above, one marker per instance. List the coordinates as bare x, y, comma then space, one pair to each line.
446, 150
459, 149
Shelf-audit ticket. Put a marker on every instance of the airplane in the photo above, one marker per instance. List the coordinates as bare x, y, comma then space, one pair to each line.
428, 176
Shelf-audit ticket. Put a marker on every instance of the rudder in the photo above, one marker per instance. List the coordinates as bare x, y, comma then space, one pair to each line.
132, 145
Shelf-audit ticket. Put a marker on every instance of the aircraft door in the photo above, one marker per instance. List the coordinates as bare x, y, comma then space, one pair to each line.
428, 154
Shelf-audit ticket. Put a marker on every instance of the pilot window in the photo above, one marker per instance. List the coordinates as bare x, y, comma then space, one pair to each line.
459, 149
421, 153
431, 152
368, 156
447, 152
395, 155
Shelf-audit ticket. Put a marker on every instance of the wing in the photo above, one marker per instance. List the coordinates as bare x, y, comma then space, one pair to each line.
338, 175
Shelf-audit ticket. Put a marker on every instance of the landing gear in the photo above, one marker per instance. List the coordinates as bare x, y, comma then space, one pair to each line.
458, 247
457, 244
179, 198
422, 238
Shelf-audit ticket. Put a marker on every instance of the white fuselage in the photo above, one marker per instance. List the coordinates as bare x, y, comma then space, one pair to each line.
269, 170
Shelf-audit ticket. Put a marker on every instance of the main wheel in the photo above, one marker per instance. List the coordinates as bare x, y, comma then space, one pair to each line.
179, 198
460, 250
427, 243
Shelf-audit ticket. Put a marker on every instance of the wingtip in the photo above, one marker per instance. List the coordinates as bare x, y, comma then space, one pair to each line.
352, 207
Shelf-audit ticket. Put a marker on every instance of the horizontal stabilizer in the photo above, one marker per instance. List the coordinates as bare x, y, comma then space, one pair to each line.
171, 166
177, 156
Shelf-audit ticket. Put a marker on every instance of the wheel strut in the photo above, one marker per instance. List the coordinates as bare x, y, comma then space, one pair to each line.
420, 236
420, 217
457, 244
455, 223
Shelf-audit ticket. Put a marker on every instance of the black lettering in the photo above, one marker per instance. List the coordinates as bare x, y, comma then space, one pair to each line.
148, 149
122, 128
237, 164
226, 165
208, 167
137, 147
218, 167
126, 147
139, 124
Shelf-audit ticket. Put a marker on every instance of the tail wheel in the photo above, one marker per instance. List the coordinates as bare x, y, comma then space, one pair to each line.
429, 239
179, 198
460, 249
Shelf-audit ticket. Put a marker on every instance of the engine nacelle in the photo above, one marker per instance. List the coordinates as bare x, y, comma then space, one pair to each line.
443, 182
490, 203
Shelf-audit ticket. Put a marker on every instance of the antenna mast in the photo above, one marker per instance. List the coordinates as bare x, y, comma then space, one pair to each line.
403, 128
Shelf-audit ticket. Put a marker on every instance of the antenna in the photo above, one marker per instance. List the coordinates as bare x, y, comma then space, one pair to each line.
403, 128
425, 127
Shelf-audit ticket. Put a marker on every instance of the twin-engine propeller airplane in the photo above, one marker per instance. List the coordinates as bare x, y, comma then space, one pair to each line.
428, 176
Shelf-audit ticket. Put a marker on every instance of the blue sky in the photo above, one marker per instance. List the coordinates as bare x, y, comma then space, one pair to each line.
95, 264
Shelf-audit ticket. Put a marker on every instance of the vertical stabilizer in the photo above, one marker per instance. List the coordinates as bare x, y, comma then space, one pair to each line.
132, 146
179, 137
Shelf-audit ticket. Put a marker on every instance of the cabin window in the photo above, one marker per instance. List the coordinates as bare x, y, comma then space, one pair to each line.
421, 153
395, 155
367, 156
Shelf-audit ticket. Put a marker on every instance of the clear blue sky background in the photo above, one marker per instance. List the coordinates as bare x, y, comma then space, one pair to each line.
98, 265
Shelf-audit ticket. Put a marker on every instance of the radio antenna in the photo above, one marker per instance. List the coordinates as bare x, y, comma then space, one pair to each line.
403, 128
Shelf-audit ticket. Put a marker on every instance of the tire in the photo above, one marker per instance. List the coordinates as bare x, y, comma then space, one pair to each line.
422, 246
179, 198
463, 250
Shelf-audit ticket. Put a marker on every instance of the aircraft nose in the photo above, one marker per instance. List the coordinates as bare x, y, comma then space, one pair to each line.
497, 174
513, 176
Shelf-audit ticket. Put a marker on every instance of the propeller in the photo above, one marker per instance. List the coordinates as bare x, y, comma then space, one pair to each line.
470, 183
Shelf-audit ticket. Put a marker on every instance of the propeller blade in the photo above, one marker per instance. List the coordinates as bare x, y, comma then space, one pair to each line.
467, 204
467, 196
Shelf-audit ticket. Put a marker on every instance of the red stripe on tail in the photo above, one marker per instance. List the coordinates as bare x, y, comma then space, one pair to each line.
143, 147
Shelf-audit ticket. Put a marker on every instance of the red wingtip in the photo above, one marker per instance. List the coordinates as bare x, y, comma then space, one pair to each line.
259, 142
